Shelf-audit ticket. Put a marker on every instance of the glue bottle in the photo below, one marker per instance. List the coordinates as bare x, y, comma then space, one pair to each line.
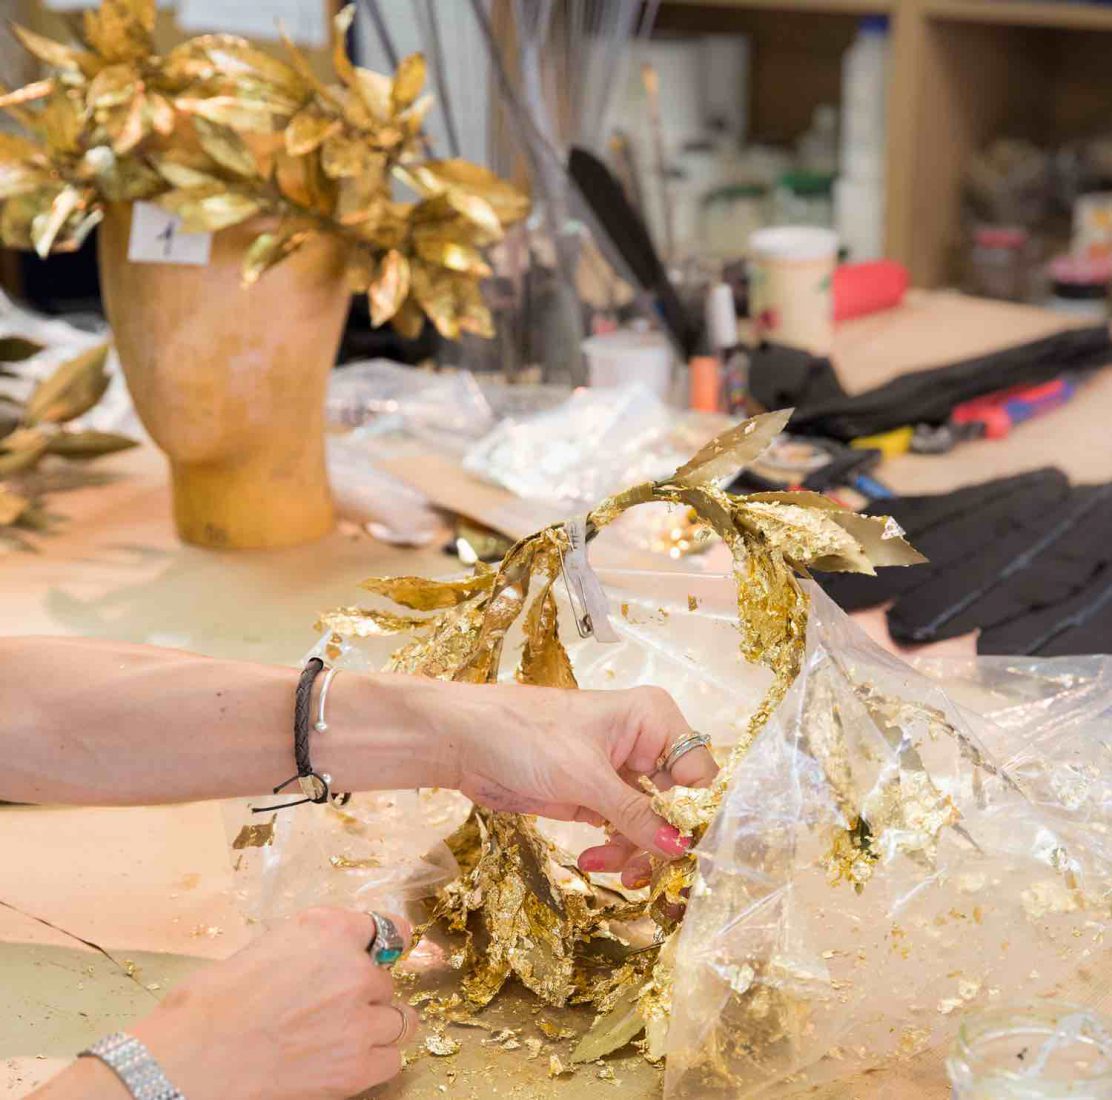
721, 326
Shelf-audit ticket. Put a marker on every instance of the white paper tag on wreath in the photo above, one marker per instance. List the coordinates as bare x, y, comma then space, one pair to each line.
156, 238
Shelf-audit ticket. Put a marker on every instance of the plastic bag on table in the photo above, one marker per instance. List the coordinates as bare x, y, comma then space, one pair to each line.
447, 409
874, 872
596, 442
385, 849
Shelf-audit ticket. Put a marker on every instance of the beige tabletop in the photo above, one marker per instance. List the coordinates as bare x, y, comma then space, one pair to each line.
151, 887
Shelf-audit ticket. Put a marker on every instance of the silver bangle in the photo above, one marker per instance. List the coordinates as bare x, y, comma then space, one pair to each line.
134, 1065
320, 725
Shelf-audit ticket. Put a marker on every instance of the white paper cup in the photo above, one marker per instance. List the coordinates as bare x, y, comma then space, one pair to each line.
630, 358
791, 269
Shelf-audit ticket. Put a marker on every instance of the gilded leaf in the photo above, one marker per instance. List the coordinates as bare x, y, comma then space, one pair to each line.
807, 537
880, 537
409, 79
181, 174
452, 301
612, 1030
343, 155
20, 178
245, 115
341, 24
206, 213
120, 30
235, 57
53, 53
29, 93
732, 451
47, 225
14, 349
21, 449
227, 148
440, 247
127, 126
307, 129
409, 321
507, 201
269, 249
12, 506
374, 91
544, 660
390, 287
425, 595
113, 86
88, 444
160, 114
74, 388
61, 122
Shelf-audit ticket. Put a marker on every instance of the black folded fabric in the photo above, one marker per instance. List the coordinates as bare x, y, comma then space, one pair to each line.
948, 528
1039, 555
778, 377
1025, 560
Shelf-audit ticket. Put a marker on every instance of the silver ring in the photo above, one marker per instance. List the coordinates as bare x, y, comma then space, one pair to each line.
682, 748
403, 1034
387, 945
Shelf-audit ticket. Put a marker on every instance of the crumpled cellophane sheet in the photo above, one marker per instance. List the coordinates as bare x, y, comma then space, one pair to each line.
887, 860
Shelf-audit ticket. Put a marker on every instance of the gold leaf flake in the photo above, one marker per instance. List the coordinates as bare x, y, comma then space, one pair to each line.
441, 1045
344, 155
120, 30
74, 388
255, 836
544, 660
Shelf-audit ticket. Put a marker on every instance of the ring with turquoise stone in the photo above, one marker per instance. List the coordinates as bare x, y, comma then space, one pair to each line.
386, 945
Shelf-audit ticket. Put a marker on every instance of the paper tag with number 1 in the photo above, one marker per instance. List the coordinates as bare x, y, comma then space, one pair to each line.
156, 238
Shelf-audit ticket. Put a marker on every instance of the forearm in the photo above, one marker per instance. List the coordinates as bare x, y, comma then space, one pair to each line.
102, 723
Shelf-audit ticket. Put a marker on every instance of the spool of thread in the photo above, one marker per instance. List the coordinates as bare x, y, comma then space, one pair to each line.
705, 390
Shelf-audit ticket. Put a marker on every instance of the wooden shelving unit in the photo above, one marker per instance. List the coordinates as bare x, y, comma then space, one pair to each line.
963, 72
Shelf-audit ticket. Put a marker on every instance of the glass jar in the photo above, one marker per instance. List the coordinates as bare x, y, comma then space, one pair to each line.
1040, 1052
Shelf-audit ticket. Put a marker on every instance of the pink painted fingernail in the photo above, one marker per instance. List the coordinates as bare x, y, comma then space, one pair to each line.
590, 863
669, 841
640, 882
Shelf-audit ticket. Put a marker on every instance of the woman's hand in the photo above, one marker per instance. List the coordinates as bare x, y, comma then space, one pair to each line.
577, 756
300, 1014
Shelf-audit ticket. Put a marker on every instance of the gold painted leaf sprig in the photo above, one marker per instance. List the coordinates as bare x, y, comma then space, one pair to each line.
36, 428
218, 132
515, 917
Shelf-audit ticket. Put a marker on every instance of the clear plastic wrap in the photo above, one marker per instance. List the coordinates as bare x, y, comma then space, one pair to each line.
873, 874
594, 443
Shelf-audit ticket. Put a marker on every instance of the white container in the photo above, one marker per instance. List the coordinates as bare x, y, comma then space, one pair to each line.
865, 98
630, 358
859, 193
859, 216
791, 272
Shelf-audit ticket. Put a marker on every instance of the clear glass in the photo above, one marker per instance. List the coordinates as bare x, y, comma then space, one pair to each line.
1040, 1052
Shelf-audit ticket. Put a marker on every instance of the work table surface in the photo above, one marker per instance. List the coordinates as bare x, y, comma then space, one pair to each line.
153, 885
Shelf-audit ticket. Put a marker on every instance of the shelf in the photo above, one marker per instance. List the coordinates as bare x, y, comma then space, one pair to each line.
1066, 15
817, 7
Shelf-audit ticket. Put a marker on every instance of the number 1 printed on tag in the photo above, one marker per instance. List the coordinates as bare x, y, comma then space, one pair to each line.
156, 238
